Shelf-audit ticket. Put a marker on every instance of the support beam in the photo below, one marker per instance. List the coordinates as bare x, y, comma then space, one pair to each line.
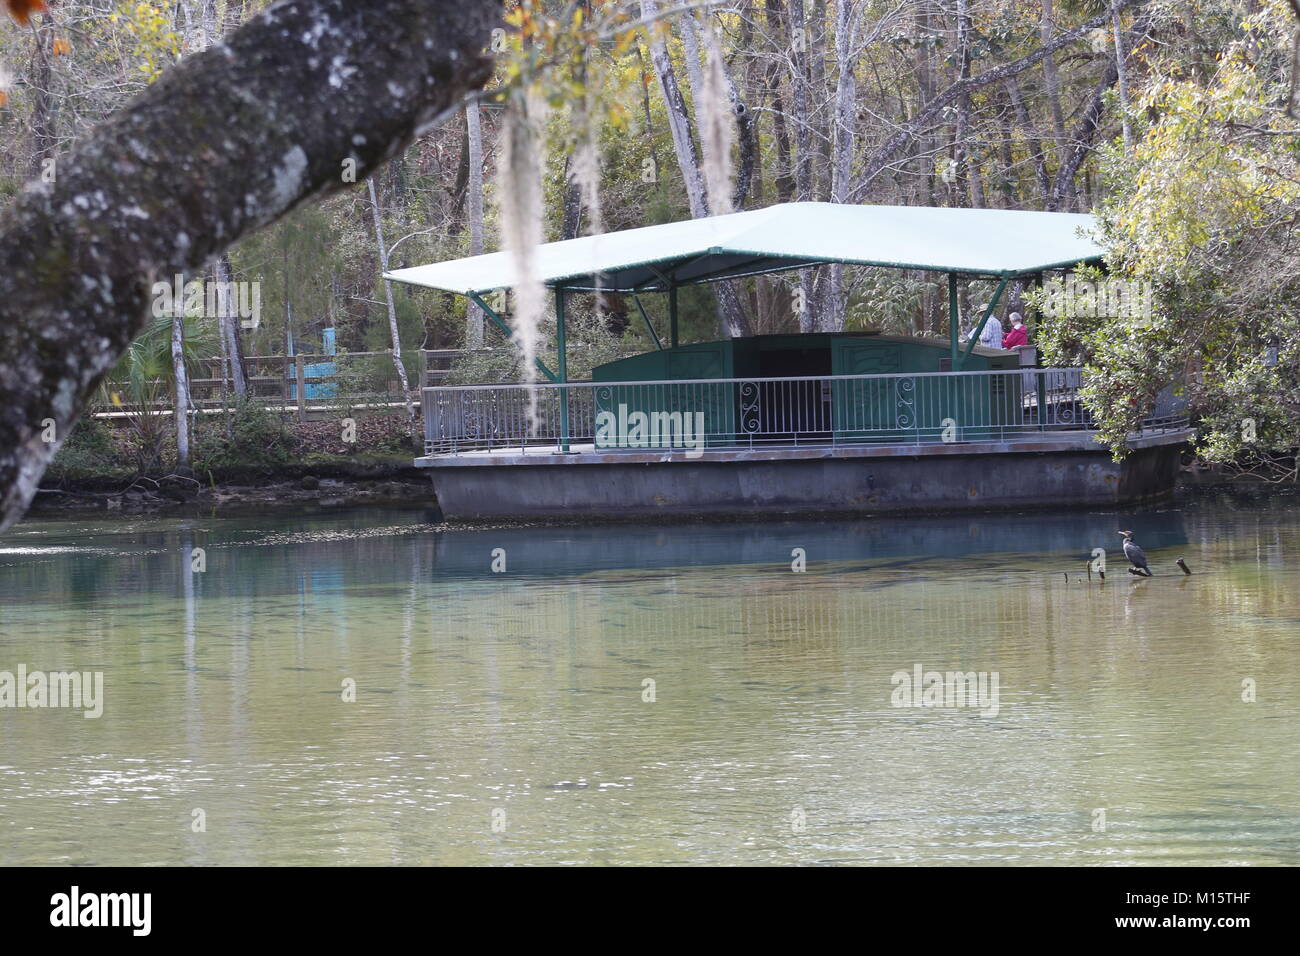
657, 275
975, 336
952, 318
649, 326
563, 363
505, 330
561, 352
672, 315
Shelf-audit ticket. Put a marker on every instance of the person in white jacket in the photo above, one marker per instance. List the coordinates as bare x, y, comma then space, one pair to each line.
991, 337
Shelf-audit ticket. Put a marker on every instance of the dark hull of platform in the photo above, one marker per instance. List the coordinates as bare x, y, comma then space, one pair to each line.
863, 480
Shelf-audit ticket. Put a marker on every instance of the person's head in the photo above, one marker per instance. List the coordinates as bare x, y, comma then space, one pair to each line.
1015, 320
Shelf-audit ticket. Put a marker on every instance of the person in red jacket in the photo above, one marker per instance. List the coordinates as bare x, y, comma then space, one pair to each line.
1018, 335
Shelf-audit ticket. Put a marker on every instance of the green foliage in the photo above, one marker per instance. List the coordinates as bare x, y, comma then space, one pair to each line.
143, 380
361, 379
883, 299
294, 260
255, 440
1203, 209
88, 451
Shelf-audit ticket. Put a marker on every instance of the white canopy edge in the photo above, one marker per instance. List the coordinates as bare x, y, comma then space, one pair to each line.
981, 242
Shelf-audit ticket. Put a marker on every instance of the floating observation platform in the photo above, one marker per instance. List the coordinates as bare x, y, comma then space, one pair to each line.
809, 423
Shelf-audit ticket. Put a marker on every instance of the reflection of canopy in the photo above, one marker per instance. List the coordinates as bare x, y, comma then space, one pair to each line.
997, 243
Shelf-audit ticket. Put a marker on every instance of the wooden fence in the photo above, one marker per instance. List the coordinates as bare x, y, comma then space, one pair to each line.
299, 383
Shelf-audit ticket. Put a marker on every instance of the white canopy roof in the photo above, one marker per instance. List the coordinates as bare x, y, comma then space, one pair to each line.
989, 242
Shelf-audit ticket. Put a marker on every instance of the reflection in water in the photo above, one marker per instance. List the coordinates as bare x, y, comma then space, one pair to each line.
523, 691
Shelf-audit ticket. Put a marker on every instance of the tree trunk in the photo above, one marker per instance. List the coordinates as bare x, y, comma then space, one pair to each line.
571, 224
228, 322
678, 122
746, 137
229, 140
845, 132
181, 410
393, 330
784, 173
970, 187
924, 68
1086, 129
1081, 141
1026, 124
42, 76
1051, 81
1121, 72
845, 135
731, 312
649, 120
234, 15
474, 127
803, 166
822, 97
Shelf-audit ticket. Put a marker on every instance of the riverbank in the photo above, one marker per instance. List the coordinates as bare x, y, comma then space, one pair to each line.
323, 484
252, 460
305, 486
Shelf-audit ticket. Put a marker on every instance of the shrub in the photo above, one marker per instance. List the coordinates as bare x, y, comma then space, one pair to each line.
252, 438
88, 451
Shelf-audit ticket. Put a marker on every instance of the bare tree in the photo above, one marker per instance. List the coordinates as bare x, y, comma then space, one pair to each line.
228, 326
393, 331
679, 126
926, 116
474, 153
1051, 79
181, 381
1121, 73
731, 311
847, 21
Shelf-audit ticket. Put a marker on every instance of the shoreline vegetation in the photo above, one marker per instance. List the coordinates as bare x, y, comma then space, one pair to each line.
252, 457
302, 486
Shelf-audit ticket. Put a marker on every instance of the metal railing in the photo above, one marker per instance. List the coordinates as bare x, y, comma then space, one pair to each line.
811, 411
290, 383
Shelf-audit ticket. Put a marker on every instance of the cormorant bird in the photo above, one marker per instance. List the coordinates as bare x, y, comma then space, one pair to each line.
1135, 555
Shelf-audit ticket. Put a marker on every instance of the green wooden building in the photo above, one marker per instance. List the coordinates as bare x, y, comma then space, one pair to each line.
796, 388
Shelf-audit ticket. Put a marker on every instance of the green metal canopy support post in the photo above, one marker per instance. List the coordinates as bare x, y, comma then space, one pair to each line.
505, 330
952, 317
563, 363
672, 315
975, 336
649, 326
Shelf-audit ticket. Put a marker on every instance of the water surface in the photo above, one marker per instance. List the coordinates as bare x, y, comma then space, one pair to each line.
501, 717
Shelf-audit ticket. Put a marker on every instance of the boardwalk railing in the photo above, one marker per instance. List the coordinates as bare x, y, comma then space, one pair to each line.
299, 383
812, 411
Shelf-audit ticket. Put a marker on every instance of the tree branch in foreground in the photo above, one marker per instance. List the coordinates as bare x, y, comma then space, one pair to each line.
225, 143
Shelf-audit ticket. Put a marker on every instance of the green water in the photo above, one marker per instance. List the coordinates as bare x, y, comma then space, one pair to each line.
501, 717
